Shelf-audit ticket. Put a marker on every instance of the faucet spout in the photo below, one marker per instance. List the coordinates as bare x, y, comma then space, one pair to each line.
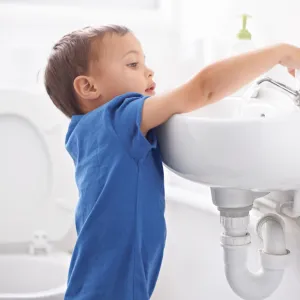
281, 87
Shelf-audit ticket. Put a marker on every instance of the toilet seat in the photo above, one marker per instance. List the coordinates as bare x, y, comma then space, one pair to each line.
37, 197
36, 172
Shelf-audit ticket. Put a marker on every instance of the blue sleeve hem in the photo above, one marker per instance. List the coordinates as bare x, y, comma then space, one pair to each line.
126, 117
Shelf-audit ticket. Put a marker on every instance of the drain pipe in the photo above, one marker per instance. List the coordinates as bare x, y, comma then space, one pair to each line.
291, 208
236, 239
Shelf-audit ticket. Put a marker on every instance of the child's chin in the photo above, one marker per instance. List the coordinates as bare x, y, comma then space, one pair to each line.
150, 93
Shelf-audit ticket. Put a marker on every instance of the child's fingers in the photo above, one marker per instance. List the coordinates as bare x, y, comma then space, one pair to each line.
292, 72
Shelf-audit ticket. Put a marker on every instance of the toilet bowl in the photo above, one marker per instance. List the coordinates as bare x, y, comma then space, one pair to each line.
37, 198
33, 277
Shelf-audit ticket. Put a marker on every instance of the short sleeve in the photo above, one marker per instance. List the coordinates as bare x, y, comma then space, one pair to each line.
125, 113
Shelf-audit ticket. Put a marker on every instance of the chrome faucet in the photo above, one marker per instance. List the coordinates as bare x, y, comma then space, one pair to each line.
295, 95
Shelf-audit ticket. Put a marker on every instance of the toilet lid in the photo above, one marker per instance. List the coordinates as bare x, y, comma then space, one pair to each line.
37, 188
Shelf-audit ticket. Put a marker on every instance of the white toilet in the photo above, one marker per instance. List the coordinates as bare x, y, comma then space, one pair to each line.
37, 198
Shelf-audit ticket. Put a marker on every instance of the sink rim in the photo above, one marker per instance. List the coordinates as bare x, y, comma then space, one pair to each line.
282, 117
239, 119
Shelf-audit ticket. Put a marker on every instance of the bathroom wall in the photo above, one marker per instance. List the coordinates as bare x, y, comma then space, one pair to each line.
271, 21
28, 32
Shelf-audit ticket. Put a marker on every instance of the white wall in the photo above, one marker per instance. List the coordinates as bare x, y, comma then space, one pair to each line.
271, 21
28, 32
132, 4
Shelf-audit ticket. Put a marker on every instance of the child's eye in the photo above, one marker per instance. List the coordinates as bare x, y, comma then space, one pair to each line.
133, 65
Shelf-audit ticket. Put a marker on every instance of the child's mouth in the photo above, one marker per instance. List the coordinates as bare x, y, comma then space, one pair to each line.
151, 89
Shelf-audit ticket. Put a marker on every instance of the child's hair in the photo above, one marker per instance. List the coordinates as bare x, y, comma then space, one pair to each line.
70, 58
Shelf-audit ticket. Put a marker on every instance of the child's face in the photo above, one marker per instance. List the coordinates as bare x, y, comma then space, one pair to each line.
121, 68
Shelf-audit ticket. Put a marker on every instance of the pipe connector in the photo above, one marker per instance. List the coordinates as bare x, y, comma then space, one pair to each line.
270, 228
290, 208
235, 231
235, 241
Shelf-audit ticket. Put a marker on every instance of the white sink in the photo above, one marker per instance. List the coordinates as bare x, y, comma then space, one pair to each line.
237, 143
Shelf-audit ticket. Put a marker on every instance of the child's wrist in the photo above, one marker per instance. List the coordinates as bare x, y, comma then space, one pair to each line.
284, 52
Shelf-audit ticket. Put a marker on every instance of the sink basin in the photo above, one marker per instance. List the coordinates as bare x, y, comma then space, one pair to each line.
237, 143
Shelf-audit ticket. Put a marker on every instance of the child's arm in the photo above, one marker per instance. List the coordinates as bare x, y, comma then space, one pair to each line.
216, 82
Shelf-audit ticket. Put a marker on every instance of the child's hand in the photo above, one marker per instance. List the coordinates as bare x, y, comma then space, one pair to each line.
292, 72
292, 59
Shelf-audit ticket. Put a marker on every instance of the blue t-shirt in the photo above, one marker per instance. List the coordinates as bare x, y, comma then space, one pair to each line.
120, 214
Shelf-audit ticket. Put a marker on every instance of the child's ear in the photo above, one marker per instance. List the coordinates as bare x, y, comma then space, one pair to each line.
86, 88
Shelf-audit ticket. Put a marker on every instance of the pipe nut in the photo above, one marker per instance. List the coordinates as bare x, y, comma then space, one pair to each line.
274, 261
234, 223
227, 240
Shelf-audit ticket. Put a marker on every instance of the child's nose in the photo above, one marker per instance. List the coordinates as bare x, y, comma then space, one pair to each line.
149, 73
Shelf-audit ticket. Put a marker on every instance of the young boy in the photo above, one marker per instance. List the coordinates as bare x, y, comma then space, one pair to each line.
98, 78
